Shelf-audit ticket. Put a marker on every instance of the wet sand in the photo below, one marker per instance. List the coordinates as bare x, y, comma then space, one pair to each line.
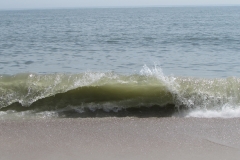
120, 138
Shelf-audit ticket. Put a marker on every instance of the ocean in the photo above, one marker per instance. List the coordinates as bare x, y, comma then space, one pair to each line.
120, 62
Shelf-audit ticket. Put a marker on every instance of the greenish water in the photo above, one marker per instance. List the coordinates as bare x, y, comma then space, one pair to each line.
173, 61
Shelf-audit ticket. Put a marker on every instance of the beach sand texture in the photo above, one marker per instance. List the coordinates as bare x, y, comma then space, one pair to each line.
120, 138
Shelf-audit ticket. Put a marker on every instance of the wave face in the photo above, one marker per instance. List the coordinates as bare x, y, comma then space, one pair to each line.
93, 94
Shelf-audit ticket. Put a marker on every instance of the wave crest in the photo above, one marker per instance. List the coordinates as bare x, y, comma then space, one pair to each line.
115, 92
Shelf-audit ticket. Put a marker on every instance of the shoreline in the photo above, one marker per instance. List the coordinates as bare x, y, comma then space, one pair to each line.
120, 138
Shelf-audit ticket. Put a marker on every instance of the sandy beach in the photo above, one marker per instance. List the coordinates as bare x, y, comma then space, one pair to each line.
120, 138
120, 80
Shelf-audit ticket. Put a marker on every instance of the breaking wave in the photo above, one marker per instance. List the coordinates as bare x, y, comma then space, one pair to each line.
95, 94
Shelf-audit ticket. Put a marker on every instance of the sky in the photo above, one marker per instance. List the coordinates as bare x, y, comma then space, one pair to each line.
36, 4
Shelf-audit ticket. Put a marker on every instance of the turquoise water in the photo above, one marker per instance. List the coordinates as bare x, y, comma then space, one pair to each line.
173, 61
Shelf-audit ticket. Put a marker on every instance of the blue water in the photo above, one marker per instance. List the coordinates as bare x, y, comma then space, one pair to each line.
168, 61
183, 41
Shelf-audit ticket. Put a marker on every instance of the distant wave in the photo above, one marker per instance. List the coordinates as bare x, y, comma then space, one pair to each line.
93, 94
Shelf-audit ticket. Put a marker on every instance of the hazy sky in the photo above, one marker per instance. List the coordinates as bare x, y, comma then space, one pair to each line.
28, 4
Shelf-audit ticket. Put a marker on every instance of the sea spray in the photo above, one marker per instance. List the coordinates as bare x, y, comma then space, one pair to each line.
111, 94
209, 95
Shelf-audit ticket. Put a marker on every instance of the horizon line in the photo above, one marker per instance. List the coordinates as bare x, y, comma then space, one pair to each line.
130, 6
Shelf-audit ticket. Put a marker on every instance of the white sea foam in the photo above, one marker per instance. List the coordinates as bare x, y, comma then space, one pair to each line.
196, 97
226, 111
10, 114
